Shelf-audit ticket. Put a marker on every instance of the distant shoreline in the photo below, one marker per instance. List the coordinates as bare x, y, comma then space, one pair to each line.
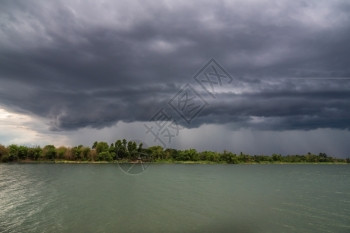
123, 151
166, 162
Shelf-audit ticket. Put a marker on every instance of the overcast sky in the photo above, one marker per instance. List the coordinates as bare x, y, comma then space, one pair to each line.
73, 72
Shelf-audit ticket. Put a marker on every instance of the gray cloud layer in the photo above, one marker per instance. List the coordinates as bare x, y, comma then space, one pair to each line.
93, 64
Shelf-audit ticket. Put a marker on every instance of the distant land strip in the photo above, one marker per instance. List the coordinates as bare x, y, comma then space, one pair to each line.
132, 152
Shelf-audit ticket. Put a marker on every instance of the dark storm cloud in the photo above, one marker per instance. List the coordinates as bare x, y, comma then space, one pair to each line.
283, 110
94, 64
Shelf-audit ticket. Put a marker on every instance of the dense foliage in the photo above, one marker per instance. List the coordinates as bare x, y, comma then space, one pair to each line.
123, 150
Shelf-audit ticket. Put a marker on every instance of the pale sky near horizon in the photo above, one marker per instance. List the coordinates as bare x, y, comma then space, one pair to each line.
74, 72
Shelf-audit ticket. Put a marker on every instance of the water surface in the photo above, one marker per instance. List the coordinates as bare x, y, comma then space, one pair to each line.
174, 198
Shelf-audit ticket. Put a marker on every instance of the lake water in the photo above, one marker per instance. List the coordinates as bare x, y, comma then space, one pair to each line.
174, 198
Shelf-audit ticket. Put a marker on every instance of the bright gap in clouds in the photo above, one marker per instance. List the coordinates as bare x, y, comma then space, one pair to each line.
16, 128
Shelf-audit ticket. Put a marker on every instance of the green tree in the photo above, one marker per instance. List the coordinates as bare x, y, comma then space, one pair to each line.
102, 147
85, 152
105, 156
193, 155
229, 157
156, 152
22, 152
34, 153
92, 155
13, 152
209, 156
244, 158
77, 152
132, 149
49, 152
188, 155
119, 149
111, 150
311, 158
61, 151
276, 157
171, 154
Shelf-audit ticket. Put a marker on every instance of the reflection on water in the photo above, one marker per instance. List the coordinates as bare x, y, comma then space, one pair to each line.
174, 198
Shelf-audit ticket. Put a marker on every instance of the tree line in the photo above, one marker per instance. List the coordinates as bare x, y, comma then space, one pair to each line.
123, 150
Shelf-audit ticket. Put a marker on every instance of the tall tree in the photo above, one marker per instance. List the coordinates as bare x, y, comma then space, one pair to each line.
102, 147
